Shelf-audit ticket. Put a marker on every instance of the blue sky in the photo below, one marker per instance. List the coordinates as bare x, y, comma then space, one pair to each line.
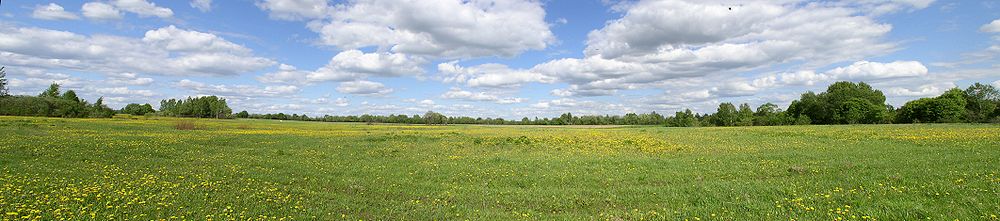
509, 58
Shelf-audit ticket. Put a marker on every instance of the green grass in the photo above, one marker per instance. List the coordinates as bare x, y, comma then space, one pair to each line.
53, 168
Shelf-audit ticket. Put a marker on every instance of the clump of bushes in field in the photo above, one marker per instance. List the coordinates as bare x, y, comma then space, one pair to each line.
53, 103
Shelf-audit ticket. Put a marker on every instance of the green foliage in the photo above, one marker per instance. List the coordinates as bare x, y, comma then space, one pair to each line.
684, 119
946, 108
432, 117
726, 115
99, 110
981, 102
803, 120
137, 109
52, 91
859, 111
243, 114
842, 103
769, 114
203, 107
812, 106
744, 115
71, 96
41, 106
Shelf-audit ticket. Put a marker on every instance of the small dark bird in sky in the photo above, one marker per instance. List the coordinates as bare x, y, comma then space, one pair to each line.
730, 8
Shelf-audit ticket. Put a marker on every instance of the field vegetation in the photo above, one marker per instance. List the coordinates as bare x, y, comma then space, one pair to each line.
146, 168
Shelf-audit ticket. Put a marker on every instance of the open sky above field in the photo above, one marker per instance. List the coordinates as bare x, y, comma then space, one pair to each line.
506, 58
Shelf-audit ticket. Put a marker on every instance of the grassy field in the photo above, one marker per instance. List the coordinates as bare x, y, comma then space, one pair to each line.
53, 168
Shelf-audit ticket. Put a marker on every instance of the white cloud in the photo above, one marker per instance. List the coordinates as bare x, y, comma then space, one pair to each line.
52, 11
927, 90
459, 94
996, 83
347, 66
130, 79
489, 75
865, 70
442, 29
362, 87
237, 90
143, 8
167, 51
124, 91
175, 39
858, 71
295, 9
100, 11
993, 27
202, 5
661, 40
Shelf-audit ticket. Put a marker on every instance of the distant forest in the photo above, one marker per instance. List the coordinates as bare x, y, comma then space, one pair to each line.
842, 103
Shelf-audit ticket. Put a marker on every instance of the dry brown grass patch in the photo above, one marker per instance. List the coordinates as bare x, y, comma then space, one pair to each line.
185, 125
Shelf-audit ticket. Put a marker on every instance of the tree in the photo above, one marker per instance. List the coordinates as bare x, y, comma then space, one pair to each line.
859, 111
243, 114
980, 102
744, 115
726, 115
4, 91
137, 109
99, 110
683, 119
946, 108
769, 114
432, 117
70, 95
832, 106
52, 92
811, 105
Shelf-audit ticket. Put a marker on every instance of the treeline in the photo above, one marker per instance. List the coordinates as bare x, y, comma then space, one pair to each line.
841, 103
204, 107
52, 103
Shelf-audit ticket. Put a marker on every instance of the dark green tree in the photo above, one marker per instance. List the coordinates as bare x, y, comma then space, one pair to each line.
52, 91
981, 102
726, 115
243, 114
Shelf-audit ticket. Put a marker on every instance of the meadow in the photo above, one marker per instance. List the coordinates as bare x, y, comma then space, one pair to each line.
146, 169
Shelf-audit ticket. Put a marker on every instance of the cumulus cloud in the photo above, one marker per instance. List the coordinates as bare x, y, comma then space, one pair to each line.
362, 87
865, 70
926, 90
124, 91
661, 40
448, 29
179, 40
237, 90
202, 5
489, 75
143, 8
993, 27
52, 11
100, 11
166, 51
347, 66
294, 9
112, 10
459, 94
